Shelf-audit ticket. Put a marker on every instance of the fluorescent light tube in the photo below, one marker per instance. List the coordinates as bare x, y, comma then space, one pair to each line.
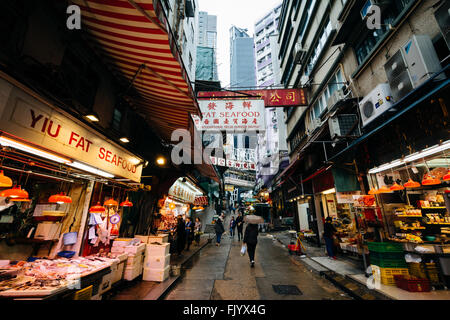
90, 169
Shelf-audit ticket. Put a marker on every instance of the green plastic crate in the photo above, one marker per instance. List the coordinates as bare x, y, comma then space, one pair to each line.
385, 247
387, 255
389, 263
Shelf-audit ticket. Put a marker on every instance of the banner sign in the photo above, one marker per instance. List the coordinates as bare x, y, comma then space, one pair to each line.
347, 197
233, 164
27, 118
231, 115
272, 97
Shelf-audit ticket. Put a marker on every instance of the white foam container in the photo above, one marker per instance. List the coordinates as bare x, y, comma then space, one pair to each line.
132, 273
134, 260
117, 249
143, 239
156, 274
135, 249
160, 250
156, 262
160, 238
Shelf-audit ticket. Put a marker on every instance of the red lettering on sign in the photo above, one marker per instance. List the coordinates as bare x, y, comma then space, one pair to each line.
34, 119
108, 154
101, 153
49, 130
72, 137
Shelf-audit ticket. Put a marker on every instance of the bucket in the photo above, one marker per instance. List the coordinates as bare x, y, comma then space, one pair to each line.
70, 238
175, 270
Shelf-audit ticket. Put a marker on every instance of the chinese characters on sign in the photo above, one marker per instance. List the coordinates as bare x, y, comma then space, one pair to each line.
272, 97
233, 164
231, 115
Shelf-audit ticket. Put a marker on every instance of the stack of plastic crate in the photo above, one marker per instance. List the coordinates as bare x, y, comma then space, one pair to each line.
387, 259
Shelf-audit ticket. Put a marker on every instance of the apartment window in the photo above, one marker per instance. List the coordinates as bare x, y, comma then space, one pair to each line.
235, 138
247, 142
308, 8
116, 120
336, 82
318, 48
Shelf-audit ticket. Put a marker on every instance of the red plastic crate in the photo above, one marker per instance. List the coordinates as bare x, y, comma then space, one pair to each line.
412, 284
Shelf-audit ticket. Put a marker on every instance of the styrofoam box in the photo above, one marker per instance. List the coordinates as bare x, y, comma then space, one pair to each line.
118, 249
160, 238
135, 259
133, 273
156, 274
118, 272
143, 239
135, 249
157, 249
122, 257
121, 243
156, 262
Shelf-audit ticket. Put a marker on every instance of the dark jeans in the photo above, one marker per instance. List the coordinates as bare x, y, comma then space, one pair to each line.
231, 232
240, 236
218, 237
188, 240
180, 244
330, 246
251, 248
197, 238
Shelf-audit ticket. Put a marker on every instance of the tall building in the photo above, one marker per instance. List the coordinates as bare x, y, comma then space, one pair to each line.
266, 47
207, 45
242, 59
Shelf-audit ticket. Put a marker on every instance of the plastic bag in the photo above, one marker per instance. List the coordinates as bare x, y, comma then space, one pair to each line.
243, 249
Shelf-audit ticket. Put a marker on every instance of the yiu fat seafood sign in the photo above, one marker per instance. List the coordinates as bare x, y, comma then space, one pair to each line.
27, 118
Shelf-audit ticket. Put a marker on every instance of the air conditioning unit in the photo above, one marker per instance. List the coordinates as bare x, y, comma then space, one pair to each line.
299, 52
344, 125
337, 96
369, 3
375, 103
414, 63
313, 125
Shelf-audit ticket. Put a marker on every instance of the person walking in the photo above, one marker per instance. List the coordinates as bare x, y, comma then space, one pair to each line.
197, 230
251, 240
328, 235
240, 225
232, 227
218, 226
189, 230
181, 234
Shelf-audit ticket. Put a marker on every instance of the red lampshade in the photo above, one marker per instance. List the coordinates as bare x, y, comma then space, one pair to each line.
384, 189
111, 203
14, 192
97, 208
60, 198
411, 184
5, 182
396, 187
447, 176
430, 180
126, 203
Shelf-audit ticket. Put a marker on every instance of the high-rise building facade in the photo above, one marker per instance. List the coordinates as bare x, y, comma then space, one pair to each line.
242, 59
207, 46
266, 48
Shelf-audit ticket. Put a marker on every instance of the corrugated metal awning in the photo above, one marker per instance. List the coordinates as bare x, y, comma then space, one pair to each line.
136, 42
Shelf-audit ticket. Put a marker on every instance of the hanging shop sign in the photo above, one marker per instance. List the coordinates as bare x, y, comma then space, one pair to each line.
27, 118
272, 97
201, 201
233, 164
183, 191
229, 187
230, 115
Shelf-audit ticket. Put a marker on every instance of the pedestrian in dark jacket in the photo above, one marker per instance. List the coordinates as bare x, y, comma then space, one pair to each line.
181, 235
218, 226
189, 230
232, 227
328, 233
239, 225
251, 239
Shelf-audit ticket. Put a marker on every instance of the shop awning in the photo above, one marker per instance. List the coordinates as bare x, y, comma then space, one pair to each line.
407, 103
136, 42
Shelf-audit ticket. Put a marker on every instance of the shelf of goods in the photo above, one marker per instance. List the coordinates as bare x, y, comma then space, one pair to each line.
157, 260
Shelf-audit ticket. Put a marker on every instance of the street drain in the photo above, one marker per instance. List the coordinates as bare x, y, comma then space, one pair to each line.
286, 290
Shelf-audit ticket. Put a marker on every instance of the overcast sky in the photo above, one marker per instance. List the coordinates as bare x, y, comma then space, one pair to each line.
241, 13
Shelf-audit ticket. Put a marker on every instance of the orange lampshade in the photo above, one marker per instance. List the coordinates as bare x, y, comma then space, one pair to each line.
411, 184
14, 192
111, 203
97, 208
172, 206
60, 198
126, 203
447, 176
430, 180
384, 189
5, 182
373, 191
396, 187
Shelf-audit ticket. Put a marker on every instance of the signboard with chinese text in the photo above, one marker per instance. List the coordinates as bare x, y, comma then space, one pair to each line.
29, 119
233, 164
231, 115
347, 197
272, 97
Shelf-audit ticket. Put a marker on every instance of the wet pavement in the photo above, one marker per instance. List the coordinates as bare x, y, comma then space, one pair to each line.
221, 273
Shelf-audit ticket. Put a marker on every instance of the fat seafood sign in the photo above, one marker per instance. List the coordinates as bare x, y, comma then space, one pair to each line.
27, 118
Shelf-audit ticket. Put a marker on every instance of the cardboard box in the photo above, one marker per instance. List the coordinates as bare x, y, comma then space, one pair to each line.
48, 231
160, 250
157, 262
156, 274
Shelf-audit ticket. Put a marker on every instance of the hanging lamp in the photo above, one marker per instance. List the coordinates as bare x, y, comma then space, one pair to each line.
373, 191
14, 192
410, 183
447, 176
111, 203
60, 198
97, 208
5, 182
396, 187
428, 178
384, 189
126, 203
